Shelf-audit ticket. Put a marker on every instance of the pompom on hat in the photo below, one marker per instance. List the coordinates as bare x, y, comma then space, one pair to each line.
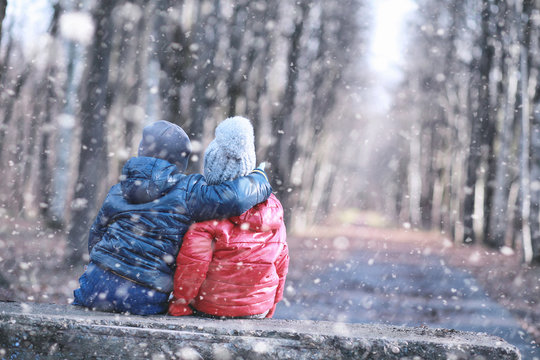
166, 141
232, 152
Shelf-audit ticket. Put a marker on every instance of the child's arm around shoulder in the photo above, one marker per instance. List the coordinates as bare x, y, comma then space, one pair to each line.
230, 198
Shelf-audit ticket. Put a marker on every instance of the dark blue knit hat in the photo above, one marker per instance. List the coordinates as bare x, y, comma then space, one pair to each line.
166, 141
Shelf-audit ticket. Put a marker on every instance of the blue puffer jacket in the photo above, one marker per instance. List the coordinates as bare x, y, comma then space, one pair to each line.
139, 229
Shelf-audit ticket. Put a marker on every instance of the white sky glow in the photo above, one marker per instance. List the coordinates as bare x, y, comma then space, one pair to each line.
388, 41
32, 16
388, 32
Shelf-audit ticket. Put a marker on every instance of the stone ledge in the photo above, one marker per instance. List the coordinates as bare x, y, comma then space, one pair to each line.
31, 331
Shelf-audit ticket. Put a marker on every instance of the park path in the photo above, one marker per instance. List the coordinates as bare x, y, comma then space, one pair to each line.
391, 282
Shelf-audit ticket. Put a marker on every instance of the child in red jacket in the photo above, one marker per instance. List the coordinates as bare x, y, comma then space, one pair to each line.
233, 267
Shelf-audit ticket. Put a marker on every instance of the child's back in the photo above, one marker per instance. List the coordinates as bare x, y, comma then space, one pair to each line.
234, 267
135, 238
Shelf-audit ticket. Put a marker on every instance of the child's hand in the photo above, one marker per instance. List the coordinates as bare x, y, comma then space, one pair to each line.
178, 308
260, 169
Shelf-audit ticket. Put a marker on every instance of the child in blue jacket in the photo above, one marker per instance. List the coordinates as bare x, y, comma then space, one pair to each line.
136, 236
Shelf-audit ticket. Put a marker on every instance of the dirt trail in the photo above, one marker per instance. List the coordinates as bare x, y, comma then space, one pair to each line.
395, 277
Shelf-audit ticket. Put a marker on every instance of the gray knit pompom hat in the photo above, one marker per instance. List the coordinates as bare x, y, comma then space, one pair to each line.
232, 153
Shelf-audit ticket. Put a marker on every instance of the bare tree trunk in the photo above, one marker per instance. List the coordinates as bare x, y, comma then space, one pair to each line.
128, 77
482, 124
428, 176
281, 124
238, 29
31, 147
17, 156
204, 94
473, 162
452, 160
93, 153
525, 133
3, 6
134, 115
174, 59
259, 80
283, 152
4, 64
51, 95
9, 105
487, 118
535, 184
415, 181
535, 148
61, 172
499, 220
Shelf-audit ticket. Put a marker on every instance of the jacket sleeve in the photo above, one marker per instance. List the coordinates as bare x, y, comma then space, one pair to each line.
230, 198
98, 228
191, 267
282, 267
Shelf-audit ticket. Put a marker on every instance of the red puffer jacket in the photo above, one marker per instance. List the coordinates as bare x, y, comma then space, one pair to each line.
233, 267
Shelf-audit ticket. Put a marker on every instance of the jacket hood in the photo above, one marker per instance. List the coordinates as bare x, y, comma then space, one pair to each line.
145, 179
265, 216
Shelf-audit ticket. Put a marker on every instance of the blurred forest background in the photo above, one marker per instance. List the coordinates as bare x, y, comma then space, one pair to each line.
458, 149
